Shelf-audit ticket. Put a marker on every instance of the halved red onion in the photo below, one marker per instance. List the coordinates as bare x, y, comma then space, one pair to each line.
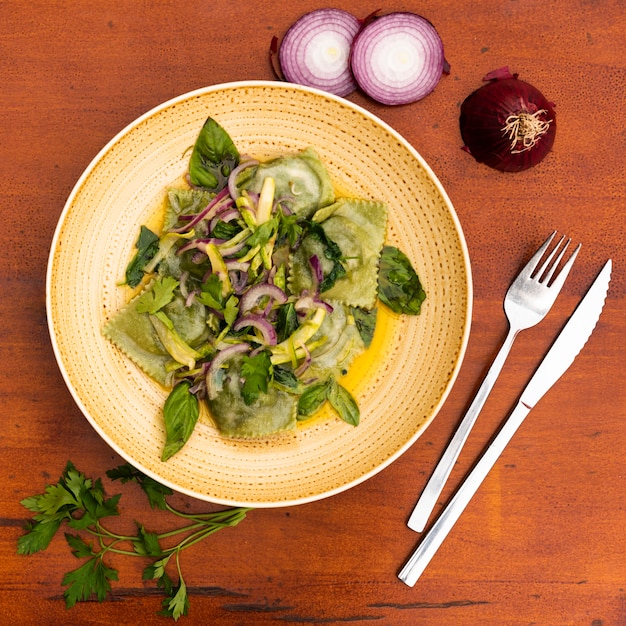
315, 51
398, 58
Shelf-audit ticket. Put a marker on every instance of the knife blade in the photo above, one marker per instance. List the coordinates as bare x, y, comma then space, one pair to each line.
559, 357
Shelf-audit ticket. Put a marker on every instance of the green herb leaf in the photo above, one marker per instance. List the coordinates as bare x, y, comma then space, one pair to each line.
181, 414
178, 604
289, 227
225, 230
91, 577
365, 321
147, 543
231, 310
211, 294
312, 399
399, 286
213, 158
256, 371
344, 403
331, 251
147, 246
38, 535
263, 233
155, 491
161, 293
80, 549
94, 510
285, 378
286, 321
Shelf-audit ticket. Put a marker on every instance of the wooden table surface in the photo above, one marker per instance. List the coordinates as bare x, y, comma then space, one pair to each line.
544, 539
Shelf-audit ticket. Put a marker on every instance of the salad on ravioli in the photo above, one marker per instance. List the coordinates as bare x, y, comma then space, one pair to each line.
258, 293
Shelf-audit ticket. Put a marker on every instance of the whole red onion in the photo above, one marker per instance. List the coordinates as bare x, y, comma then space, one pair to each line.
507, 124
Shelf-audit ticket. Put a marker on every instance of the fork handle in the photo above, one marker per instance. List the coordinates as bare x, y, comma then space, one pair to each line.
432, 491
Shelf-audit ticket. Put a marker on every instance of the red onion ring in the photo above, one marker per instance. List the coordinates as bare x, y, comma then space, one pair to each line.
397, 58
270, 338
315, 51
220, 358
250, 298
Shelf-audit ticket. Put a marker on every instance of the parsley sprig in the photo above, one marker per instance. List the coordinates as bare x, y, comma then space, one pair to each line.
81, 503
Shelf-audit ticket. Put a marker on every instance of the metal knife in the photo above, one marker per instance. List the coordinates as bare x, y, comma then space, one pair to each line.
560, 356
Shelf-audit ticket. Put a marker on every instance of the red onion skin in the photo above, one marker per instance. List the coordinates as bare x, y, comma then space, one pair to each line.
483, 116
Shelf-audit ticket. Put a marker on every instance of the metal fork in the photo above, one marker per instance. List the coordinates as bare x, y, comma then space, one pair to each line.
527, 301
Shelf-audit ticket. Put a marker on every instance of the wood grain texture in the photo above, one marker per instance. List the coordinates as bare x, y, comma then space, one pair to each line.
544, 539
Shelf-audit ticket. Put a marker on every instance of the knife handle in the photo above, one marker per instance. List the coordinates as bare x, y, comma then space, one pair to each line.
418, 561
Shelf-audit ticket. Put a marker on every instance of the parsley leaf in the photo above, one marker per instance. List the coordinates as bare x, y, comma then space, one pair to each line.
93, 576
161, 293
155, 491
256, 371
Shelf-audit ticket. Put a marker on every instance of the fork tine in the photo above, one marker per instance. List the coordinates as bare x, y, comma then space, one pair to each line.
540, 272
530, 267
550, 272
562, 275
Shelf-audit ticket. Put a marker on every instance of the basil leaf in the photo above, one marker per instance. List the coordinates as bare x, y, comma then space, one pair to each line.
286, 321
225, 230
181, 414
399, 286
285, 378
331, 251
213, 158
342, 401
147, 246
365, 321
312, 399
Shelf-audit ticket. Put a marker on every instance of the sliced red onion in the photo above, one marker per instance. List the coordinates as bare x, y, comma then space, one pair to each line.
316, 266
232, 179
199, 244
226, 216
307, 302
299, 371
256, 292
315, 51
220, 358
208, 212
270, 338
238, 273
398, 58
227, 251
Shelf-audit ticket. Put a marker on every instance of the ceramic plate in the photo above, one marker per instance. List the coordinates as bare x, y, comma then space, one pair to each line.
400, 384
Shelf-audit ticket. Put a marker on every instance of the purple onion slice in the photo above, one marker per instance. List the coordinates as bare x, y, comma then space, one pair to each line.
315, 51
398, 58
